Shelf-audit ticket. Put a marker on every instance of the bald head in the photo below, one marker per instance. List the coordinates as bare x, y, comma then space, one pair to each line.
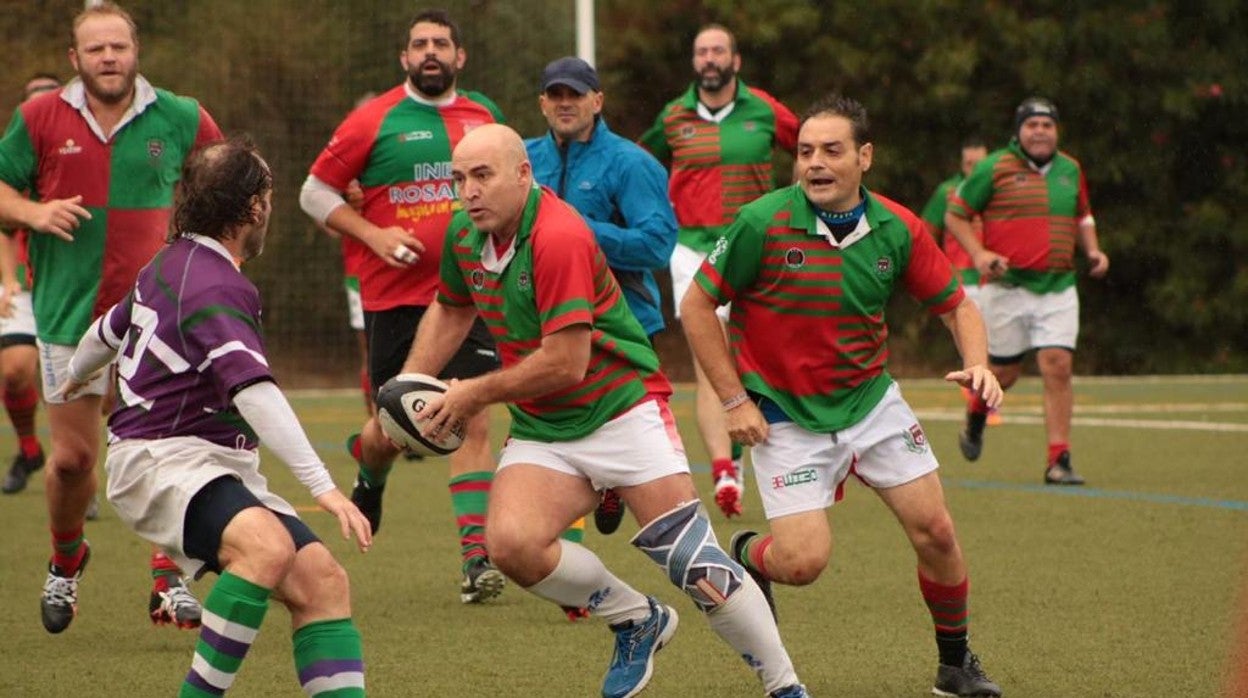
493, 177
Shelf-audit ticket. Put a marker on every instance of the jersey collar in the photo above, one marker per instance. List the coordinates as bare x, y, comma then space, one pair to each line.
803, 218
420, 99
490, 259
75, 94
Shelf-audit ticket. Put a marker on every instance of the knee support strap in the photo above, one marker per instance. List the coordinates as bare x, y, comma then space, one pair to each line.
683, 544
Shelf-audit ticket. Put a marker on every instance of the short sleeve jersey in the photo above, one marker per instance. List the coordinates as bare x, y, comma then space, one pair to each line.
126, 182
189, 338
1031, 216
557, 278
717, 167
807, 327
934, 215
400, 151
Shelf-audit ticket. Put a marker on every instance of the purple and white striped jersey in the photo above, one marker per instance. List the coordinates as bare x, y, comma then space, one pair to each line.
189, 333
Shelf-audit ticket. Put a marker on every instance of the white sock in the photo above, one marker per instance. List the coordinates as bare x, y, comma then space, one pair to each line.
581, 576
745, 622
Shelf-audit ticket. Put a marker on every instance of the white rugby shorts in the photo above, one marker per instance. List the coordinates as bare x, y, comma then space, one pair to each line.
799, 470
684, 264
54, 370
1018, 319
639, 446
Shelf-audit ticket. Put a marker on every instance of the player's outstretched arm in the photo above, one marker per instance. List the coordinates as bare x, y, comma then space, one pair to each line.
967, 327
269, 414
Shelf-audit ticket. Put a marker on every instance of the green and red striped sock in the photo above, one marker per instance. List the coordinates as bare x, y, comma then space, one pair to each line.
68, 549
950, 614
470, 495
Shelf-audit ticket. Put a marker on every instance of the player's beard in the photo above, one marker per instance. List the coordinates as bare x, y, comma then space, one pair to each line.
713, 78
432, 84
110, 95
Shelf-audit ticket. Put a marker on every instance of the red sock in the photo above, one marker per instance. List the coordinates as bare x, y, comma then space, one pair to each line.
366, 387
68, 549
950, 615
721, 467
163, 569
29, 445
754, 552
1056, 450
976, 405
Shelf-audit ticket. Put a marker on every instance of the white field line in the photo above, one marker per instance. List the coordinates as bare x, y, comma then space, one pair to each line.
1013, 418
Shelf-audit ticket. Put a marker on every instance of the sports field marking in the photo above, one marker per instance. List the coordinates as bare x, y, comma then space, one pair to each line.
1173, 424
1094, 493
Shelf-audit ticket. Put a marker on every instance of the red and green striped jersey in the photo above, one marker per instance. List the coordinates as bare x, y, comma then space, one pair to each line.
934, 215
558, 277
718, 166
1030, 216
126, 180
400, 151
807, 327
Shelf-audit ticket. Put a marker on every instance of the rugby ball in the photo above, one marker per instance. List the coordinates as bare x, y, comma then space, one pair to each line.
399, 400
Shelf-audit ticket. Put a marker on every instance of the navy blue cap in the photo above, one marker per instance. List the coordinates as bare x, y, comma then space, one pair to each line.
573, 72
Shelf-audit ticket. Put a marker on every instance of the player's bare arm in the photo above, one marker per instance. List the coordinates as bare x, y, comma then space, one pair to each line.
396, 246
967, 327
745, 422
10, 286
59, 217
560, 362
441, 332
990, 264
1098, 260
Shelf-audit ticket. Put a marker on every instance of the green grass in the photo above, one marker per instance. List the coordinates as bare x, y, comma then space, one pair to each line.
1125, 588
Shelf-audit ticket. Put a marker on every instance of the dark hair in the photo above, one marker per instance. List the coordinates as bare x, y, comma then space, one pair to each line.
732, 38
836, 104
27, 92
102, 9
218, 183
974, 142
439, 17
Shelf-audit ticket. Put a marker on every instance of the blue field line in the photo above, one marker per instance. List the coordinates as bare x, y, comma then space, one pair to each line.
1094, 493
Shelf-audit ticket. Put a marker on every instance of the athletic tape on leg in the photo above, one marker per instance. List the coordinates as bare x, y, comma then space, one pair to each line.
684, 545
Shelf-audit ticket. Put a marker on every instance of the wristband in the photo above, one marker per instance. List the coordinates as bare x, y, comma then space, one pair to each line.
735, 401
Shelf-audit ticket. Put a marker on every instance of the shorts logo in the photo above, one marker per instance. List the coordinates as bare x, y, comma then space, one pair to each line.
478, 279
916, 440
794, 258
797, 477
883, 266
523, 281
596, 598
70, 148
155, 148
688, 132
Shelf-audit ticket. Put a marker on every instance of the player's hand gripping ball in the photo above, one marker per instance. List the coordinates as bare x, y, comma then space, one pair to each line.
399, 400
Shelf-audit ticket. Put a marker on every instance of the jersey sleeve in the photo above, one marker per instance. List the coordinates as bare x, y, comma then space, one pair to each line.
974, 193
452, 289
17, 155
489, 105
934, 212
346, 154
735, 261
655, 139
929, 275
563, 280
786, 122
225, 326
208, 131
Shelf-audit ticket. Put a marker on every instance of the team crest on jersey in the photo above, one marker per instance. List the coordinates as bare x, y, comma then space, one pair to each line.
1020, 177
750, 126
794, 258
688, 132
883, 266
916, 440
478, 279
155, 148
1064, 181
523, 281
70, 148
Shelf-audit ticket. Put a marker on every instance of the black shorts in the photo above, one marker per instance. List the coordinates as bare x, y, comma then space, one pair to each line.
391, 332
212, 509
